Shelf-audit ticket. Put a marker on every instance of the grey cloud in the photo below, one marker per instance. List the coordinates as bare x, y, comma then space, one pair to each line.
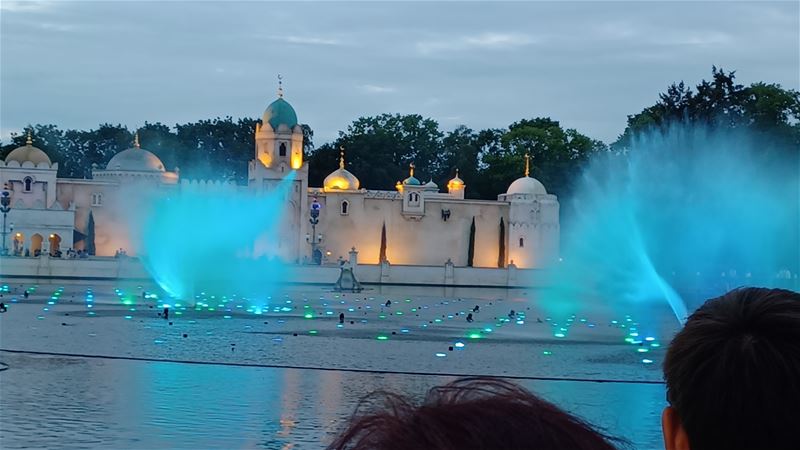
483, 65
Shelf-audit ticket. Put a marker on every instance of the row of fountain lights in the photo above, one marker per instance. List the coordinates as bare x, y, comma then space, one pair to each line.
644, 344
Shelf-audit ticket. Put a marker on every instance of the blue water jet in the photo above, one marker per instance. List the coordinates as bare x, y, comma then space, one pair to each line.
682, 216
216, 242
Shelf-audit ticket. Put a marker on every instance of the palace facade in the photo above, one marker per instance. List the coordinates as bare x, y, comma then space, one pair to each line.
418, 223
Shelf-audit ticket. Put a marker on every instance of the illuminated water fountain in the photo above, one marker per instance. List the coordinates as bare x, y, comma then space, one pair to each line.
199, 244
681, 217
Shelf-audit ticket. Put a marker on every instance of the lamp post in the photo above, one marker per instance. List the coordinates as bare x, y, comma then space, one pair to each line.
5, 207
314, 240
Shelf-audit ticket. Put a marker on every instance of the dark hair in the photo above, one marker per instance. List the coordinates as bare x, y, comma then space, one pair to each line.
470, 413
733, 372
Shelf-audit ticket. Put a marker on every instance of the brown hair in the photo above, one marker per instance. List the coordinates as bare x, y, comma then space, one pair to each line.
470, 413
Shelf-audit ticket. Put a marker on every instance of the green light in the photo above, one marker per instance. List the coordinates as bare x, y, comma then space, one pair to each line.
382, 316
308, 316
642, 350
312, 332
474, 336
560, 335
383, 338
547, 353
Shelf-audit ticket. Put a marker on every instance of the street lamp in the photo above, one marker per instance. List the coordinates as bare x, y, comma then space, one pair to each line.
5, 207
314, 240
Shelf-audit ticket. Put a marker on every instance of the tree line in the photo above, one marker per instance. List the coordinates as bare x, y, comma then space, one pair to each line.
380, 148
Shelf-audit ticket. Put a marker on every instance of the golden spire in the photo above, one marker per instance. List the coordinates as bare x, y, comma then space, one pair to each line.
411, 169
29, 141
280, 86
136, 140
527, 164
341, 157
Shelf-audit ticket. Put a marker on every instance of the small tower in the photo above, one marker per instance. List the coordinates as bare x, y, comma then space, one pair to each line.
413, 200
533, 222
456, 187
279, 137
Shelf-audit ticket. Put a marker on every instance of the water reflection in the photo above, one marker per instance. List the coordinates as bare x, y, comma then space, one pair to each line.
52, 402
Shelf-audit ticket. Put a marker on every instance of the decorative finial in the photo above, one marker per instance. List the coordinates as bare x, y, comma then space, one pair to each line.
411, 168
527, 164
341, 157
136, 140
29, 141
456, 172
280, 86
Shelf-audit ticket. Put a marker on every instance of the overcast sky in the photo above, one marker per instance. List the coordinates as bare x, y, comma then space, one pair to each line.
588, 65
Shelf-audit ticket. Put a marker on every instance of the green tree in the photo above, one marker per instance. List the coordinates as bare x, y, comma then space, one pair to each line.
460, 150
557, 155
379, 150
767, 110
216, 149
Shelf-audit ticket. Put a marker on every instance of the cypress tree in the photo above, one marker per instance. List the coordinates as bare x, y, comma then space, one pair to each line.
501, 258
90, 248
382, 256
471, 250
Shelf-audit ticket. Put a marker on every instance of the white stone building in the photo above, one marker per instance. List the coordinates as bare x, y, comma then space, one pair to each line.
415, 224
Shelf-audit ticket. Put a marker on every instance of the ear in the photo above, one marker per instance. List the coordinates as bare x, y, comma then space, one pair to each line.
675, 437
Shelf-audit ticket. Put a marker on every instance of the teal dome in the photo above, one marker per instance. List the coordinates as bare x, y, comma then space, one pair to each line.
412, 181
280, 112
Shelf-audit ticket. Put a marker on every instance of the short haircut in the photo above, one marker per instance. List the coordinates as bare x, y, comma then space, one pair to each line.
733, 371
470, 413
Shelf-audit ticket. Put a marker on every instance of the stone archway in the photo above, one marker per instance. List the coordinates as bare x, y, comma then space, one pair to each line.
55, 244
18, 244
36, 244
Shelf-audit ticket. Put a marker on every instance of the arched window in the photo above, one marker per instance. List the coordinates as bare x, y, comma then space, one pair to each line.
28, 184
521, 242
413, 197
97, 199
282, 149
345, 207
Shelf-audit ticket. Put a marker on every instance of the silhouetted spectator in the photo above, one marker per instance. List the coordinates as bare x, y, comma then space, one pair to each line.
469, 414
733, 374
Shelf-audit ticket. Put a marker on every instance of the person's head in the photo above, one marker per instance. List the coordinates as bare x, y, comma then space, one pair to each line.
471, 413
733, 374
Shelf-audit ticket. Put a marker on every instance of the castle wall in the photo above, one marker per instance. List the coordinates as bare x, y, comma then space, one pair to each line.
429, 240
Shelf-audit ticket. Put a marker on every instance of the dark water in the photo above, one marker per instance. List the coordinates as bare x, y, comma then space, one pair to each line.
59, 402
